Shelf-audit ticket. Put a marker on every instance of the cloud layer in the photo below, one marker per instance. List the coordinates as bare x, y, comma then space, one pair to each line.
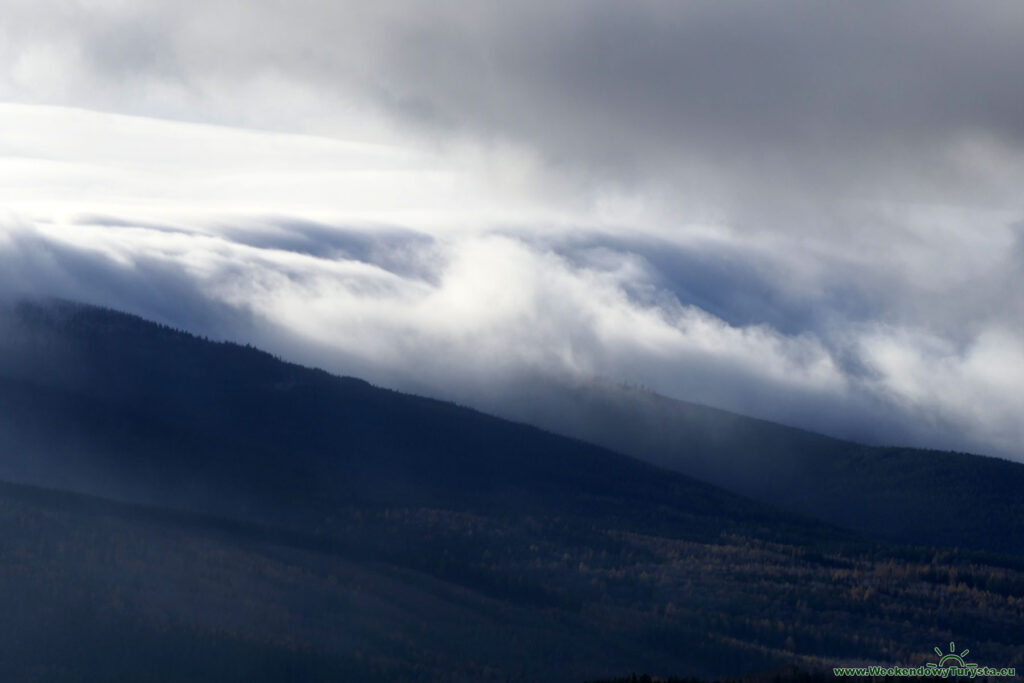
805, 212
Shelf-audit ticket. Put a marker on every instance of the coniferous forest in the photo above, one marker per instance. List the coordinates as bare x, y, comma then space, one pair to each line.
245, 519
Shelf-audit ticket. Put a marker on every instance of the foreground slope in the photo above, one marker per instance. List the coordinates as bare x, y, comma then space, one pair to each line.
95, 590
902, 494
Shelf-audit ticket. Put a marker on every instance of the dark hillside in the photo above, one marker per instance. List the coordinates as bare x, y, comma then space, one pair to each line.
901, 494
278, 523
110, 404
102, 591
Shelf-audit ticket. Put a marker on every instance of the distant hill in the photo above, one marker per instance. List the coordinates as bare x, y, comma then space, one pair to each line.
900, 494
250, 519
109, 404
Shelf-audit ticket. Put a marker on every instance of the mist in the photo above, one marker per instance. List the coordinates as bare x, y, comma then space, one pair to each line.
803, 213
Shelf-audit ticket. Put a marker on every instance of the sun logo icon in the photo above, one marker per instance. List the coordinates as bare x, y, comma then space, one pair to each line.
951, 658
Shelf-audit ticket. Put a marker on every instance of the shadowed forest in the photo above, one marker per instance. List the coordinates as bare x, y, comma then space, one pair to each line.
227, 516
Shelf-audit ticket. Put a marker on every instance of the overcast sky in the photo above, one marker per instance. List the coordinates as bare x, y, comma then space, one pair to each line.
805, 211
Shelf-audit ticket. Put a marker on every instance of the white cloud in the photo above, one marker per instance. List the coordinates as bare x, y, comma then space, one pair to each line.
445, 197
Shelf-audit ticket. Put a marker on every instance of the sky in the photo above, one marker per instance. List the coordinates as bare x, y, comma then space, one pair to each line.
808, 212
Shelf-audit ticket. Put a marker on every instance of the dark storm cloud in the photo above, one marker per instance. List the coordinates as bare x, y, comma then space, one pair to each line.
626, 89
769, 115
791, 96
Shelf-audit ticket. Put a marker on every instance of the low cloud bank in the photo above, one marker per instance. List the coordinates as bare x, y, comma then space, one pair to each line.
853, 344
805, 212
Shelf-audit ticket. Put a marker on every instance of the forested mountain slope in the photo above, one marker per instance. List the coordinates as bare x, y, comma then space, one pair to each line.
274, 522
102, 591
903, 494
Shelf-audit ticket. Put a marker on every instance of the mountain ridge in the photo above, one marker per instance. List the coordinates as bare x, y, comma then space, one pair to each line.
279, 408
889, 493
893, 493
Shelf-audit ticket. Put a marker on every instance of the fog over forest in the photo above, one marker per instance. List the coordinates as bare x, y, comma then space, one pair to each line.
803, 212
